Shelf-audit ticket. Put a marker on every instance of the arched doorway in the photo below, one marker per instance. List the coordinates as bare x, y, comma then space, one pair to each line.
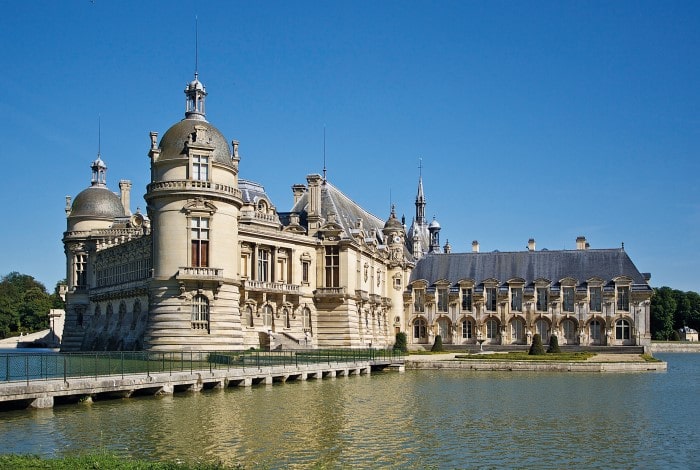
420, 331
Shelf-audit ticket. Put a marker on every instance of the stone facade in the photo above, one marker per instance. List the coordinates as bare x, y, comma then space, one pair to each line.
213, 265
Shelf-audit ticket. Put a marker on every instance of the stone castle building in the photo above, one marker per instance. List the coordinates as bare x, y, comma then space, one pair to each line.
213, 265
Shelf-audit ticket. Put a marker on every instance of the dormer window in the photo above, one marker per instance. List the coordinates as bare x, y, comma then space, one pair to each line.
623, 298
542, 299
200, 168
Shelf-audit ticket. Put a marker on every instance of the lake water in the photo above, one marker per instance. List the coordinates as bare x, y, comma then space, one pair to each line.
419, 419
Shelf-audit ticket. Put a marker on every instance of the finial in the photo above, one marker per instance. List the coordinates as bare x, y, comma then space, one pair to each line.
324, 153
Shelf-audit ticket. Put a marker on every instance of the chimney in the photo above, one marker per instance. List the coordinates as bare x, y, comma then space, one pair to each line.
314, 207
125, 189
447, 248
298, 190
531, 244
475, 246
581, 243
68, 205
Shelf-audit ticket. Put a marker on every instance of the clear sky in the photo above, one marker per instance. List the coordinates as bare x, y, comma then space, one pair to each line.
543, 120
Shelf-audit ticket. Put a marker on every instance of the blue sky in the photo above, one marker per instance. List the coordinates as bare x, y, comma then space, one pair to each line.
543, 120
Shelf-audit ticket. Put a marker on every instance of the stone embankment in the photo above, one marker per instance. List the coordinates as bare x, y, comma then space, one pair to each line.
675, 347
597, 363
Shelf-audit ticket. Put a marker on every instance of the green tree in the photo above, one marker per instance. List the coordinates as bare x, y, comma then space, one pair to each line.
400, 344
437, 346
553, 345
24, 304
536, 349
663, 309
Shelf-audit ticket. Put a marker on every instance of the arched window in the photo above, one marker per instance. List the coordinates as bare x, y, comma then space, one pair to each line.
267, 315
420, 327
110, 312
444, 328
492, 328
135, 314
306, 319
622, 330
249, 316
200, 312
122, 312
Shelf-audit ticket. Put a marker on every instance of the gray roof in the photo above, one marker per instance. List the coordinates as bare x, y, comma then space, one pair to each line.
97, 202
252, 192
172, 145
347, 211
554, 265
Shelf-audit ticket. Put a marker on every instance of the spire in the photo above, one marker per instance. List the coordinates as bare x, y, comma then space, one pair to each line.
99, 168
195, 91
420, 197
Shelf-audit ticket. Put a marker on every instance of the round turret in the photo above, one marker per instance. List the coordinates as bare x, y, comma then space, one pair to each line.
172, 145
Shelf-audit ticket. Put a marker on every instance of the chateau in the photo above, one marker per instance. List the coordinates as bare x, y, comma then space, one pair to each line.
213, 265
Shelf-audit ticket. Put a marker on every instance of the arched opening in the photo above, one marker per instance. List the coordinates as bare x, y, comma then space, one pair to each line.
517, 331
420, 330
569, 327
595, 331
542, 329
492, 331
200, 312
444, 329
623, 332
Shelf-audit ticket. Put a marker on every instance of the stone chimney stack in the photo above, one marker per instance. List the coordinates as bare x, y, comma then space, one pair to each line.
475, 246
581, 243
125, 189
298, 190
531, 244
314, 211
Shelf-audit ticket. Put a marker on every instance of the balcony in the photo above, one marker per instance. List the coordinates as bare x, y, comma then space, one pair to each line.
180, 185
277, 287
199, 274
330, 293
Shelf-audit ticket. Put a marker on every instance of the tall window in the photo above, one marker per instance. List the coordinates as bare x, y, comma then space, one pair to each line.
420, 328
419, 300
200, 241
596, 299
249, 316
200, 168
491, 299
263, 265
466, 329
81, 270
569, 330
492, 329
568, 299
287, 322
517, 330
444, 328
200, 312
623, 299
305, 271
542, 299
542, 328
332, 266
467, 299
516, 299
442, 300
306, 319
594, 327
622, 329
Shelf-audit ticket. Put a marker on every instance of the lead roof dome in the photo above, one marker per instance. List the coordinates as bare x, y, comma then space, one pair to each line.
172, 144
97, 202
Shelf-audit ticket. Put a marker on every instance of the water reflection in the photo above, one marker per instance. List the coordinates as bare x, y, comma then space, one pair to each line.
440, 419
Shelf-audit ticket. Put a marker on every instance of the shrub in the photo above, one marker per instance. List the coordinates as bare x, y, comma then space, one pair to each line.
400, 344
553, 345
437, 346
536, 349
675, 336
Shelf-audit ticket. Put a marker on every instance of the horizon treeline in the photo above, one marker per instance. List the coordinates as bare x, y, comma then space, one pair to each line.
25, 304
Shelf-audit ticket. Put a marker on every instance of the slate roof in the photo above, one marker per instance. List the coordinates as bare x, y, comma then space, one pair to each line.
553, 265
252, 192
347, 211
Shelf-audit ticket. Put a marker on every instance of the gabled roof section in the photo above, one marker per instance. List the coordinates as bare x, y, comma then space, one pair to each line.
528, 265
347, 212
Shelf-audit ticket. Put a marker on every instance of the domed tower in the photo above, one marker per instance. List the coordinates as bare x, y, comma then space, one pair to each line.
434, 229
194, 202
90, 218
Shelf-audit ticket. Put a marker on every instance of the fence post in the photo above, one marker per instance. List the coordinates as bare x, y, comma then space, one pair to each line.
122, 364
64, 369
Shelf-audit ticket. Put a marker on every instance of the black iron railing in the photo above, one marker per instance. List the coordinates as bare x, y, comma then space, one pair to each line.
29, 366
